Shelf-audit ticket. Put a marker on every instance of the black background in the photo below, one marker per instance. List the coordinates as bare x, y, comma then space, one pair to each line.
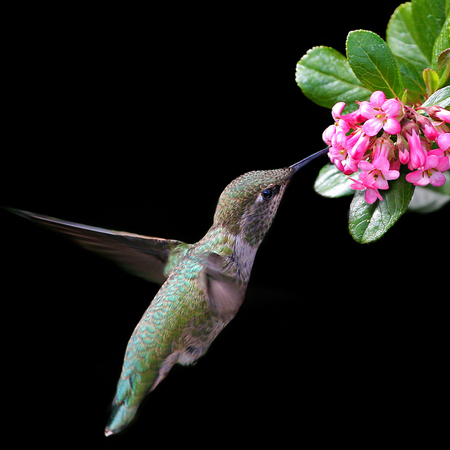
136, 119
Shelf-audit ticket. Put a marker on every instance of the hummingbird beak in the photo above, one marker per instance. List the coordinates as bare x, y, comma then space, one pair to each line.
303, 162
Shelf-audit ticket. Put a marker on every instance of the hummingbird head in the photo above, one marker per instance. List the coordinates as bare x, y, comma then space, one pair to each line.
249, 203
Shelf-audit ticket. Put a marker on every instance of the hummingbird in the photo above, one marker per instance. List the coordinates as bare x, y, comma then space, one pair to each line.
203, 284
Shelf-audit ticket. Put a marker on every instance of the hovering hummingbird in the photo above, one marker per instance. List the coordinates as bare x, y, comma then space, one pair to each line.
203, 284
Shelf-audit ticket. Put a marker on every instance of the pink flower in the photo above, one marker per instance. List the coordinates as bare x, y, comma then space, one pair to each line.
345, 152
358, 144
328, 134
336, 110
381, 113
380, 169
417, 154
340, 125
367, 181
438, 113
444, 115
427, 127
402, 147
374, 176
430, 172
444, 142
443, 152
384, 147
353, 119
354, 145
441, 127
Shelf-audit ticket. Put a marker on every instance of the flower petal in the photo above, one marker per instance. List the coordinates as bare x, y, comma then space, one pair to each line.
357, 186
360, 147
371, 196
443, 115
367, 111
391, 174
417, 156
340, 139
343, 125
436, 151
381, 163
417, 178
391, 107
367, 179
381, 183
392, 126
404, 156
431, 162
443, 141
328, 134
365, 166
437, 178
372, 126
336, 110
377, 99
444, 164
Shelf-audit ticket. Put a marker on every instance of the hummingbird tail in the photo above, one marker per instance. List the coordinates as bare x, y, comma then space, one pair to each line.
120, 417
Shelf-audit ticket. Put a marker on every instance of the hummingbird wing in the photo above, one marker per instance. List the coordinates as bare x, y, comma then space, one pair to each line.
224, 291
143, 256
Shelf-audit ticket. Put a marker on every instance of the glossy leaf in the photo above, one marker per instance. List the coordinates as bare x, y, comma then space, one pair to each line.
431, 79
413, 81
431, 198
441, 54
442, 42
325, 77
331, 182
367, 223
373, 63
440, 98
443, 68
428, 17
401, 38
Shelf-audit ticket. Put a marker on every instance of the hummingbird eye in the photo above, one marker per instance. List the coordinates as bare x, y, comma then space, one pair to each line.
269, 193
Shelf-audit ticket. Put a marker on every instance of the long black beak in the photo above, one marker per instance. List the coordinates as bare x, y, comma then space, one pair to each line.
303, 162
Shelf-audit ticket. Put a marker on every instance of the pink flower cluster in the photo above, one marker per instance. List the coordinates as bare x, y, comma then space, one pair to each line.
381, 135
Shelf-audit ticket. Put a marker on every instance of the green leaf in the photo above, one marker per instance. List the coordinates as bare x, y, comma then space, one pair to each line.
373, 63
443, 67
440, 98
428, 17
412, 79
431, 79
401, 38
430, 198
441, 43
331, 182
325, 77
367, 223
441, 54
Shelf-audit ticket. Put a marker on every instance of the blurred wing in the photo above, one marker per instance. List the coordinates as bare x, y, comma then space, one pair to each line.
143, 256
224, 293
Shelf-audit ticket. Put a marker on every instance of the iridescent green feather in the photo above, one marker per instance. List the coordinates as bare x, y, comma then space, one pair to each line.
179, 305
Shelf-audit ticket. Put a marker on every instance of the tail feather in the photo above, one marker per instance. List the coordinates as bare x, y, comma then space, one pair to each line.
124, 407
120, 417
132, 388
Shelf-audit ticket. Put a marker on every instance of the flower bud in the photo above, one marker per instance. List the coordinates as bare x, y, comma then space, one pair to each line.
426, 126
408, 127
439, 114
417, 155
